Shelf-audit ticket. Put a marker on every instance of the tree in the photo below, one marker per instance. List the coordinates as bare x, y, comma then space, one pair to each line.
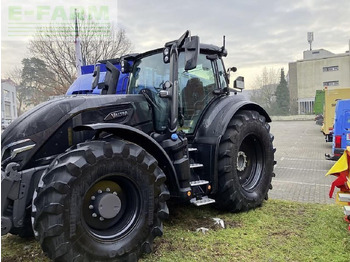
37, 81
16, 76
56, 48
33, 83
282, 96
266, 84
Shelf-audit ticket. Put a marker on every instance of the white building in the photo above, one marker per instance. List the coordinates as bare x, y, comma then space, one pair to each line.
8, 102
318, 69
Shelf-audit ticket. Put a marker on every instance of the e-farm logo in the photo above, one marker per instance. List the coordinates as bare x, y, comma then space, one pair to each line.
23, 19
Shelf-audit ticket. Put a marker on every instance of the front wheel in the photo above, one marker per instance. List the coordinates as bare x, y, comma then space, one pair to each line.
246, 159
100, 201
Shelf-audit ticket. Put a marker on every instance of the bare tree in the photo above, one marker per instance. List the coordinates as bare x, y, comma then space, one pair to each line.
266, 84
56, 48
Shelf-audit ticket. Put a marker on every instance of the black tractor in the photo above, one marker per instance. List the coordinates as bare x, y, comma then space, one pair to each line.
89, 176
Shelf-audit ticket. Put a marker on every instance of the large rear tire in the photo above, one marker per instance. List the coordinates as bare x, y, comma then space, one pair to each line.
100, 201
246, 159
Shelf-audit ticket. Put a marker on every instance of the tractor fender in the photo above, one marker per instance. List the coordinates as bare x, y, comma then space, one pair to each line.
219, 114
212, 127
144, 140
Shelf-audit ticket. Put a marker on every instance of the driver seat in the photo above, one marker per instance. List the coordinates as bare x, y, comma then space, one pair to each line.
193, 97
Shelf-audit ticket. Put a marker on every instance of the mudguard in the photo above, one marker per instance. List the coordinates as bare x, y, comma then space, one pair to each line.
212, 127
148, 143
219, 114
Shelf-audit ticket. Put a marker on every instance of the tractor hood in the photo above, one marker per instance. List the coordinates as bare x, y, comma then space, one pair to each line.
38, 119
47, 129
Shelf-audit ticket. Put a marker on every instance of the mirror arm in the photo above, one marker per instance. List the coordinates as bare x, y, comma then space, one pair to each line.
173, 90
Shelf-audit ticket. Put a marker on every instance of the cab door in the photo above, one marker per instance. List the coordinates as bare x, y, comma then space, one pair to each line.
196, 91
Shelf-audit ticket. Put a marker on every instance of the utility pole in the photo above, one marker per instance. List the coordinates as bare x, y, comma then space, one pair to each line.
78, 56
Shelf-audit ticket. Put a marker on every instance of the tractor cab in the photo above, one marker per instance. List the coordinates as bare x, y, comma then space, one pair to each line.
196, 88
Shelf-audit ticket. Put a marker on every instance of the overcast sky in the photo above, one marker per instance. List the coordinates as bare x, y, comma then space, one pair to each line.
258, 33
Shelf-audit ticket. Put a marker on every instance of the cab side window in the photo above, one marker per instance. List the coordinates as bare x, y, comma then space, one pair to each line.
195, 91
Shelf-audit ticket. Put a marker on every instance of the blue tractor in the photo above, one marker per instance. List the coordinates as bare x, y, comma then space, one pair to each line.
90, 175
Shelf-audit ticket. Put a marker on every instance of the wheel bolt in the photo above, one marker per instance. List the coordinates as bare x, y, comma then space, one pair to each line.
94, 215
108, 189
115, 193
91, 207
93, 198
101, 219
99, 191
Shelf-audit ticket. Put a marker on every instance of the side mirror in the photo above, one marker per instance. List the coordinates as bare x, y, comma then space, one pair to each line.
239, 83
232, 69
191, 52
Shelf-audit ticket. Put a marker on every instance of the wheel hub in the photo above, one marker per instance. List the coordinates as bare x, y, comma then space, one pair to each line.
108, 205
241, 161
105, 204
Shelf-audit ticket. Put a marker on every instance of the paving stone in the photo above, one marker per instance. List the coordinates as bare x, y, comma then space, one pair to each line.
301, 165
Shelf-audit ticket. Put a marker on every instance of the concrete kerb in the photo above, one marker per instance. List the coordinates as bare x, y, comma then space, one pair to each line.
293, 118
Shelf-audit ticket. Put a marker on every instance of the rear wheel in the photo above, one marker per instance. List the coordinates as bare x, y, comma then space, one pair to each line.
101, 201
246, 159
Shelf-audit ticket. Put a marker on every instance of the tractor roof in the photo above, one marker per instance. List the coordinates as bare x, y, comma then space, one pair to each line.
204, 48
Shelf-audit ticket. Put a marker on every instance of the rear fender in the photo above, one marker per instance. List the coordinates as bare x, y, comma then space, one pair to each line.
216, 119
212, 128
145, 141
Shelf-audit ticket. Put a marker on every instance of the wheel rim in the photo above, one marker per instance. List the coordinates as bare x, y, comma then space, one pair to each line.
250, 162
111, 207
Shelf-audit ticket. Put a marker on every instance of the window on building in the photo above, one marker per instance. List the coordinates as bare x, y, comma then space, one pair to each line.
6, 93
331, 83
306, 107
330, 68
7, 110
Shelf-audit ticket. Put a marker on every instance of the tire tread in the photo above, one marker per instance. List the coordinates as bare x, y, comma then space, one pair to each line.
56, 184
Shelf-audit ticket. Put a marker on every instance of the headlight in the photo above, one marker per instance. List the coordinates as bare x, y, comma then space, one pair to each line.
10, 151
21, 149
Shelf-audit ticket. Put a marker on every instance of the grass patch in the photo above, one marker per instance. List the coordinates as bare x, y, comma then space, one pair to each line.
278, 231
15, 249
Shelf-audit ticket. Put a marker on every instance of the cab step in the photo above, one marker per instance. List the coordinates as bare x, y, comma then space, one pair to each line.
192, 149
347, 210
203, 201
196, 165
199, 183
